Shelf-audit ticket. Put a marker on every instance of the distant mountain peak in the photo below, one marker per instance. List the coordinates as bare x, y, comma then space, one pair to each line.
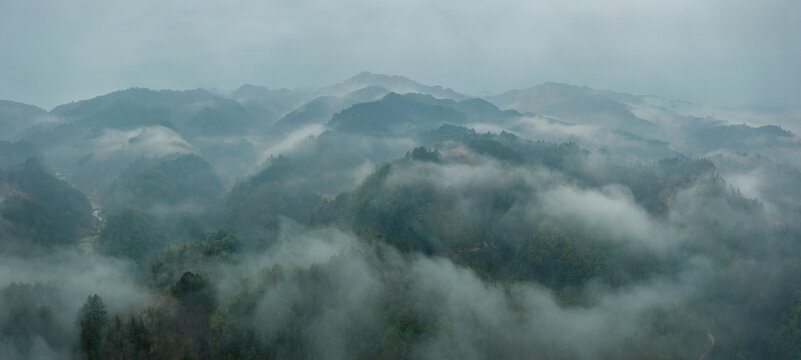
559, 85
366, 76
396, 83
260, 88
18, 105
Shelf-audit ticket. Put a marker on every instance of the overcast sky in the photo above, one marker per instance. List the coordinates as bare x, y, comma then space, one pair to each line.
731, 52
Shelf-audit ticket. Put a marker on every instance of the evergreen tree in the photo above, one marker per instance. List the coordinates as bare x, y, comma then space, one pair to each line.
92, 321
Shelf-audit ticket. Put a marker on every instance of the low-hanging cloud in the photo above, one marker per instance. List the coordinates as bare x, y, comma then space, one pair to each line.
150, 141
610, 210
61, 283
467, 317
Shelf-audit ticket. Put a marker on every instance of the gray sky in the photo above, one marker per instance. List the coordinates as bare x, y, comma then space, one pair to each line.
731, 52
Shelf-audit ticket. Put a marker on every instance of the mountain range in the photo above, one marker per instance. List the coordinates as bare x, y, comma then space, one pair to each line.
239, 131
383, 218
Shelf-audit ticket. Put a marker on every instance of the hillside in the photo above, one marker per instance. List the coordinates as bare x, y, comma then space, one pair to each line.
382, 218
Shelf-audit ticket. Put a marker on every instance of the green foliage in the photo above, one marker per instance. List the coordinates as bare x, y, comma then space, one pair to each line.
396, 114
27, 313
219, 244
129, 339
410, 113
129, 233
390, 331
422, 154
498, 244
712, 288
254, 206
508, 147
557, 261
786, 343
92, 320
194, 291
44, 209
401, 337
14, 154
169, 181
178, 325
446, 132
136, 107
168, 265
494, 148
420, 218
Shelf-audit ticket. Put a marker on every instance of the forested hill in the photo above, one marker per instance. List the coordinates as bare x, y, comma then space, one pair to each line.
380, 218
39, 211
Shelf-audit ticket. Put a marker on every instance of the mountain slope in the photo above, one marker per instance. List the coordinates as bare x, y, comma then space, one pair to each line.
18, 119
411, 113
393, 83
38, 209
580, 105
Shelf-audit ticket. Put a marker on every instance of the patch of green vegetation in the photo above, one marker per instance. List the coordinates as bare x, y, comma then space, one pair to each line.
87, 244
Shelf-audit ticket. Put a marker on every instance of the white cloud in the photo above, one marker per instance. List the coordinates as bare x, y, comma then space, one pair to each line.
147, 141
610, 211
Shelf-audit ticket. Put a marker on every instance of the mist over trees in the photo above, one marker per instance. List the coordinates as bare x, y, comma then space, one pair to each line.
380, 218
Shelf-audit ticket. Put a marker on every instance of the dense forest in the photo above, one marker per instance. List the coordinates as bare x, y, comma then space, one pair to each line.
380, 218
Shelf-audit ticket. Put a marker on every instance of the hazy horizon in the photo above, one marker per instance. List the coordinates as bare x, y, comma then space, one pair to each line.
720, 53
